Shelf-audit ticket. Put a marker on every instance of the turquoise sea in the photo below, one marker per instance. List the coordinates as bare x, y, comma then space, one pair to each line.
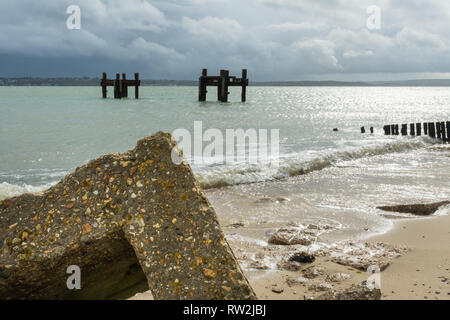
46, 132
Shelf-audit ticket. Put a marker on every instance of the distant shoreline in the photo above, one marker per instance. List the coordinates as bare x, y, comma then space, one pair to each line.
83, 82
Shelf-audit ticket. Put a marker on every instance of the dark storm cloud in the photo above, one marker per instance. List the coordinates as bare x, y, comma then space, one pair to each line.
275, 39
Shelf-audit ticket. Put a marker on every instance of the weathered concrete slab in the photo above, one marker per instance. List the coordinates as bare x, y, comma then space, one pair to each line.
416, 209
121, 218
354, 293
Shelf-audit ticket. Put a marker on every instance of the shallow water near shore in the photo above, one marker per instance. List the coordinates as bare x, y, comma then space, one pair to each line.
344, 197
333, 178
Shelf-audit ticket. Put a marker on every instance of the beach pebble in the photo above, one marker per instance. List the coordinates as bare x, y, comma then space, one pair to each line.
302, 257
321, 287
363, 255
236, 225
337, 277
265, 199
258, 265
355, 292
292, 281
313, 272
277, 290
289, 265
291, 236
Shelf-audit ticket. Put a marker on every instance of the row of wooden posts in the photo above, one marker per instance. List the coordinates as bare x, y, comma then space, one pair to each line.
439, 130
120, 85
222, 82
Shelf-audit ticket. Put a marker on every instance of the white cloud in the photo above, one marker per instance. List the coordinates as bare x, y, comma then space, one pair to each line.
274, 39
318, 52
142, 49
138, 15
289, 26
212, 27
409, 37
355, 54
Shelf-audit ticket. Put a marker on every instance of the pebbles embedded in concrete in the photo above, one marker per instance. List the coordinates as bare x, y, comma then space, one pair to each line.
131, 220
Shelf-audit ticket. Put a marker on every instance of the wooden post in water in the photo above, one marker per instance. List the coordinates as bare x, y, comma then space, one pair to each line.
438, 130
136, 87
419, 129
394, 129
220, 86
442, 129
124, 87
448, 131
432, 129
244, 85
117, 93
412, 129
404, 129
104, 87
223, 82
202, 88
226, 80
120, 85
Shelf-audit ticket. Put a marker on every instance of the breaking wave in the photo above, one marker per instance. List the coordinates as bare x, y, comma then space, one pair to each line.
11, 190
299, 164
217, 176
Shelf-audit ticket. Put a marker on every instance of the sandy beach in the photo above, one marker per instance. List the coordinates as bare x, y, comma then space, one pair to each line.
422, 273
413, 251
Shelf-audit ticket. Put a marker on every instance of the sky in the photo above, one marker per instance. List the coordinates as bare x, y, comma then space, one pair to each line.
278, 40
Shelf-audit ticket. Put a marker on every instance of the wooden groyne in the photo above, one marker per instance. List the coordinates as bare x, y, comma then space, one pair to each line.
438, 130
120, 85
222, 82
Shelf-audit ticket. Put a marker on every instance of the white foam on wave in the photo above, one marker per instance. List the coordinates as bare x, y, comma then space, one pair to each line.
34, 174
443, 211
244, 239
11, 190
299, 164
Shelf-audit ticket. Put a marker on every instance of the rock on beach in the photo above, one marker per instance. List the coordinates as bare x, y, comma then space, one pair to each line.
291, 236
131, 222
416, 209
355, 292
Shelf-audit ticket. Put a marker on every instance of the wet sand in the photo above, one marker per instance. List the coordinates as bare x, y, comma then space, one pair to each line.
421, 274
266, 286
249, 214
424, 272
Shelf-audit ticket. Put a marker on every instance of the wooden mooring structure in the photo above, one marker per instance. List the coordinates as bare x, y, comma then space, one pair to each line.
222, 82
438, 130
120, 85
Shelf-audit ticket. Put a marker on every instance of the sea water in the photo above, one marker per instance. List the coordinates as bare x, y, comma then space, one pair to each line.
339, 177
